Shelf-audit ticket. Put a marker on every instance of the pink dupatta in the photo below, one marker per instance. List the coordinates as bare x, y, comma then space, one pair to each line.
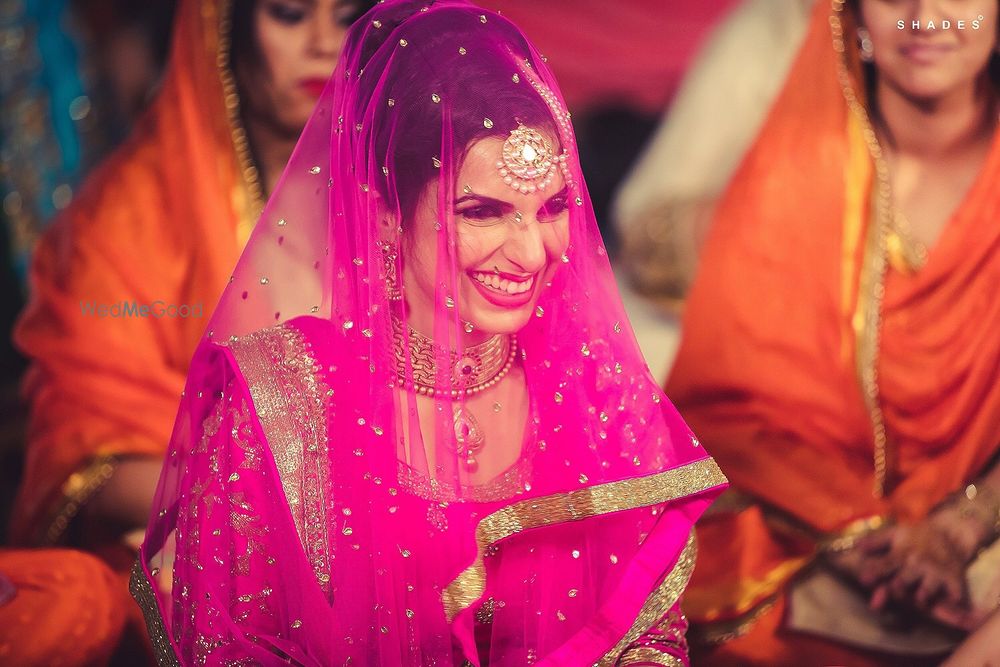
298, 517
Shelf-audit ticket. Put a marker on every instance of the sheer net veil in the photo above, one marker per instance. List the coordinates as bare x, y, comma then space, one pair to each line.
419, 429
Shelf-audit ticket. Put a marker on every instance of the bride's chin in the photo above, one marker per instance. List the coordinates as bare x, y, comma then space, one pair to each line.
509, 322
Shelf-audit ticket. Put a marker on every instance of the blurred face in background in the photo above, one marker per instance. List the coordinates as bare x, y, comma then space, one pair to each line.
284, 51
928, 63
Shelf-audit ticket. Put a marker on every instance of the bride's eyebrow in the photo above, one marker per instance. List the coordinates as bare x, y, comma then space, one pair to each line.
483, 199
562, 193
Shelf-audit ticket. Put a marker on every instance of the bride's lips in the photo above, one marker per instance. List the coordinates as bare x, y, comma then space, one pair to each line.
503, 289
314, 87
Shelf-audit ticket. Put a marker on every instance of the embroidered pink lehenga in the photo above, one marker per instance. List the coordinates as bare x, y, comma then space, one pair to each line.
390, 454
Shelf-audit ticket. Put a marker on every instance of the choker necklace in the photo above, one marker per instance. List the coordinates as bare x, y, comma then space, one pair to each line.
475, 369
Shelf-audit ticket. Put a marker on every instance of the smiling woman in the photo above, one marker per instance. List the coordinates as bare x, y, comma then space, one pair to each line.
840, 353
419, 429
508, 242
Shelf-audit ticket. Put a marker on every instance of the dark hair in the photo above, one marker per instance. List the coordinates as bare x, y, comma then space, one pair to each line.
473, 86
869, 71
244, 52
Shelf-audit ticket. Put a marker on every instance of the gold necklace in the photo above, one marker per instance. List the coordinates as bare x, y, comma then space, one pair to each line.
475, 369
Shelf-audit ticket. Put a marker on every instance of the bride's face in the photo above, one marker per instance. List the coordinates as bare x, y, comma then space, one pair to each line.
508, 244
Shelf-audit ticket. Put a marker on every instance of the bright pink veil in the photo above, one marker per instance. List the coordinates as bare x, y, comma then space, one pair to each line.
297, 517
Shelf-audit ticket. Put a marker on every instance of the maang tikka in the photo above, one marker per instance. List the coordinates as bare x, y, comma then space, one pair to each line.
528, 161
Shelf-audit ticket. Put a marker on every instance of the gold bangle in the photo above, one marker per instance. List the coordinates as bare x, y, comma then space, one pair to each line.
849, 537
78, 489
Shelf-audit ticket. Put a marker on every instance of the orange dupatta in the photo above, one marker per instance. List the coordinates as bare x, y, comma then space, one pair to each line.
784, 327
163, 220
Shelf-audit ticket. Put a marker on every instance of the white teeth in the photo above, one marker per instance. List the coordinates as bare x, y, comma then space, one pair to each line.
502, 285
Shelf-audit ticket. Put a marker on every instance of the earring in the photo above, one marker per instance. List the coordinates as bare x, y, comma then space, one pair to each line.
390, 273
865, 46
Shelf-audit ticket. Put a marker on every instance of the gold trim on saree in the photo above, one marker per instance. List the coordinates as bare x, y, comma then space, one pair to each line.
78, 489
144, 595
660, 601
753, 597
290, 400
720, 632
871, 286
251, 204
649, 656
593, 501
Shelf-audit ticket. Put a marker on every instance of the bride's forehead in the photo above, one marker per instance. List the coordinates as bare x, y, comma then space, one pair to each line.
482, 155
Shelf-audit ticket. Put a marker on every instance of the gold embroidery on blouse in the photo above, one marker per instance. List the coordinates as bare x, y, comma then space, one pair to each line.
142, 591
290, 399
506, 485
626, 494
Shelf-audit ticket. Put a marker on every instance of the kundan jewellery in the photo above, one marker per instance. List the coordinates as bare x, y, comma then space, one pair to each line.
472, 370
528, 161
391, 275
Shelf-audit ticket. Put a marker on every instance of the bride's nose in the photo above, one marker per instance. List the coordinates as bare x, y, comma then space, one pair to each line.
525, 246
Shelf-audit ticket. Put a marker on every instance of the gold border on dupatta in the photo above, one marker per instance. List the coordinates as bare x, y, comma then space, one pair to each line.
649, 656
249, 174
659, 602
145, 597
290, 400
871, 286
593, 501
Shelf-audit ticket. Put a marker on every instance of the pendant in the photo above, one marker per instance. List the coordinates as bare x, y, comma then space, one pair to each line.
469, 437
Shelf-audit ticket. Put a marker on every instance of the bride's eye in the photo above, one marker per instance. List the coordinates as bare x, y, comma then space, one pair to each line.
554, 207
482, 215
284, 12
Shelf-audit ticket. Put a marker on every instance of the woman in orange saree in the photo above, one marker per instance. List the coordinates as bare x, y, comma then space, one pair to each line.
845, 374
159, 226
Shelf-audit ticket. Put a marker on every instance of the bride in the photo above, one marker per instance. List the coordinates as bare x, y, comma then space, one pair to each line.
419, 429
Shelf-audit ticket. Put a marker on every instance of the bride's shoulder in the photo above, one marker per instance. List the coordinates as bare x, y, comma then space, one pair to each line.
295, 345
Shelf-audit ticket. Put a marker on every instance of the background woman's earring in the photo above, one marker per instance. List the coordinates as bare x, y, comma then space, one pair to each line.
865, 46
392, 289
